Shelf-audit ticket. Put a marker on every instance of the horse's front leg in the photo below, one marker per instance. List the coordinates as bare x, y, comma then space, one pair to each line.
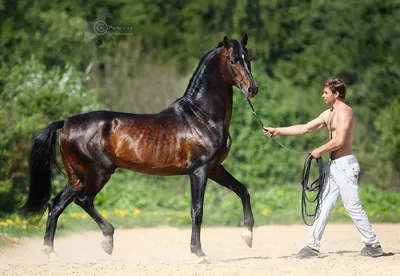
198, 180
224, 178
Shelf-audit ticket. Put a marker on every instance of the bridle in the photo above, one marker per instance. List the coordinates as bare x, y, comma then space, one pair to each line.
238, 78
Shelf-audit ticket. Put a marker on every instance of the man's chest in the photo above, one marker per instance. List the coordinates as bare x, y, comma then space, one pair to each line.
331, 122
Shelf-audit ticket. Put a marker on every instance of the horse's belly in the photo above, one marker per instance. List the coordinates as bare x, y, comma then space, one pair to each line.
152, 157
150, 152
152, 166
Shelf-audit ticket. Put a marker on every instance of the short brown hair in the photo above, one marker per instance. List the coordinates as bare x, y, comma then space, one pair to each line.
336, 84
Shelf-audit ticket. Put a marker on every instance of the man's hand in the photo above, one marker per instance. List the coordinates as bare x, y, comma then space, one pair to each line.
316, 154
269, 131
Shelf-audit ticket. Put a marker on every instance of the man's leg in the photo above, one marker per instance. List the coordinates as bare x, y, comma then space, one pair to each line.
347, 182
329, 197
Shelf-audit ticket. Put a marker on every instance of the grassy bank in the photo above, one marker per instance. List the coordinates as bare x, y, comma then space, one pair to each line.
277, 205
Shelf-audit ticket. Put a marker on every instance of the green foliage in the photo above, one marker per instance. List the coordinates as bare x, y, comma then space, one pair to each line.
52, 66
388, 125
278, 205
50, 31
32, 98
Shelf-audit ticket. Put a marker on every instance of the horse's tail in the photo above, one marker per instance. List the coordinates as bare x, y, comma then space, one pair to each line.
42, 159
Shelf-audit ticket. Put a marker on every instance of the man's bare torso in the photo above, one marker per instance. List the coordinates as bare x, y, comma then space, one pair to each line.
331, 121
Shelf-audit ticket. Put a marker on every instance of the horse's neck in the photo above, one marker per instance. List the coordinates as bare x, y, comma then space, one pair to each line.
213, 98
207, 90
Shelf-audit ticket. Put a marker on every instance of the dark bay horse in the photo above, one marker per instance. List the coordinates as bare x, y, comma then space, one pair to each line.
190, 137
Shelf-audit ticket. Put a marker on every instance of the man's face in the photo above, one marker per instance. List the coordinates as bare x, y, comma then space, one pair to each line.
328, 96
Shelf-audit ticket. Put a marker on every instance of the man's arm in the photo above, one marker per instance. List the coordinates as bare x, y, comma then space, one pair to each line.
296, 130
343, 124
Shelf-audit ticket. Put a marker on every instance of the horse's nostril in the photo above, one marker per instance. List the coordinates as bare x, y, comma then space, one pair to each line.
253, 90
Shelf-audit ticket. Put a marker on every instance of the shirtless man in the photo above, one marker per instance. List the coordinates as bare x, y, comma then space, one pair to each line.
342, 173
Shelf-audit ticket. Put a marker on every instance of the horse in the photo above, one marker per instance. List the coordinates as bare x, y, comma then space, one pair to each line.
190, 137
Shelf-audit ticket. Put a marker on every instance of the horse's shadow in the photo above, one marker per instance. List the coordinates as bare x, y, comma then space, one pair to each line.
294, 256
246, 258
343, 252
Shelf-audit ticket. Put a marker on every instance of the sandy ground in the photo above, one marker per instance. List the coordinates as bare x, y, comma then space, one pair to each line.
165, 251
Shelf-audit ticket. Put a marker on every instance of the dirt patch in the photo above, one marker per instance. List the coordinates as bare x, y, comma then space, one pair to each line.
165, 251
6, 240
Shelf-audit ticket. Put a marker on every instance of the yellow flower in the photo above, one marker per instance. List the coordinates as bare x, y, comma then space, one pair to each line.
83, 215
371, 213
155, 213
266, 211
136, 212
121, 213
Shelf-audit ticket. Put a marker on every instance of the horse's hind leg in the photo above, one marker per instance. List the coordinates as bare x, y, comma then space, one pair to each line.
224, 178
198, 180
56, 206
85, 200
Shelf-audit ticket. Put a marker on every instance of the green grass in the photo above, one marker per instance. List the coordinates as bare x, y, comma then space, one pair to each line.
276, 205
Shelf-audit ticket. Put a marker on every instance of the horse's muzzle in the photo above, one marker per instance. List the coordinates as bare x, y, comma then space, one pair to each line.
253, 91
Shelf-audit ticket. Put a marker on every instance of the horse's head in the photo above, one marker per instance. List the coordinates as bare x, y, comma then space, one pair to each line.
236, 61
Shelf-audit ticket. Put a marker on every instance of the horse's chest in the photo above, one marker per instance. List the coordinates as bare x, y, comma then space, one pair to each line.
220, 149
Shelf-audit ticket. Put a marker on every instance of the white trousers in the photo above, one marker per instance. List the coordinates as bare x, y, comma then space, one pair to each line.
341, 178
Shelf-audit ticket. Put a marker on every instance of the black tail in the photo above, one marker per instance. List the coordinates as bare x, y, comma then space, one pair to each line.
41, 161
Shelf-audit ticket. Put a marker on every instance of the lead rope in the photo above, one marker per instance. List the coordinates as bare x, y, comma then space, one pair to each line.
262, 125
316, 186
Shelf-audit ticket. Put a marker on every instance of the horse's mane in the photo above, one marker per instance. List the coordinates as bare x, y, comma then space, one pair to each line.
198, 73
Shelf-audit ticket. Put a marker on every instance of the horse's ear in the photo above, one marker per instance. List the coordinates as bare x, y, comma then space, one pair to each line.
244, 40
227, 43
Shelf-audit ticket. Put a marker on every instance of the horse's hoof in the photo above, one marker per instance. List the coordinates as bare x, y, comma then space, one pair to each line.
108, 244
49, 251
203, 260
247, 236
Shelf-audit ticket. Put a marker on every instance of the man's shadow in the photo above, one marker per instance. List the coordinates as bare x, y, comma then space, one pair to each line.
341, 252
